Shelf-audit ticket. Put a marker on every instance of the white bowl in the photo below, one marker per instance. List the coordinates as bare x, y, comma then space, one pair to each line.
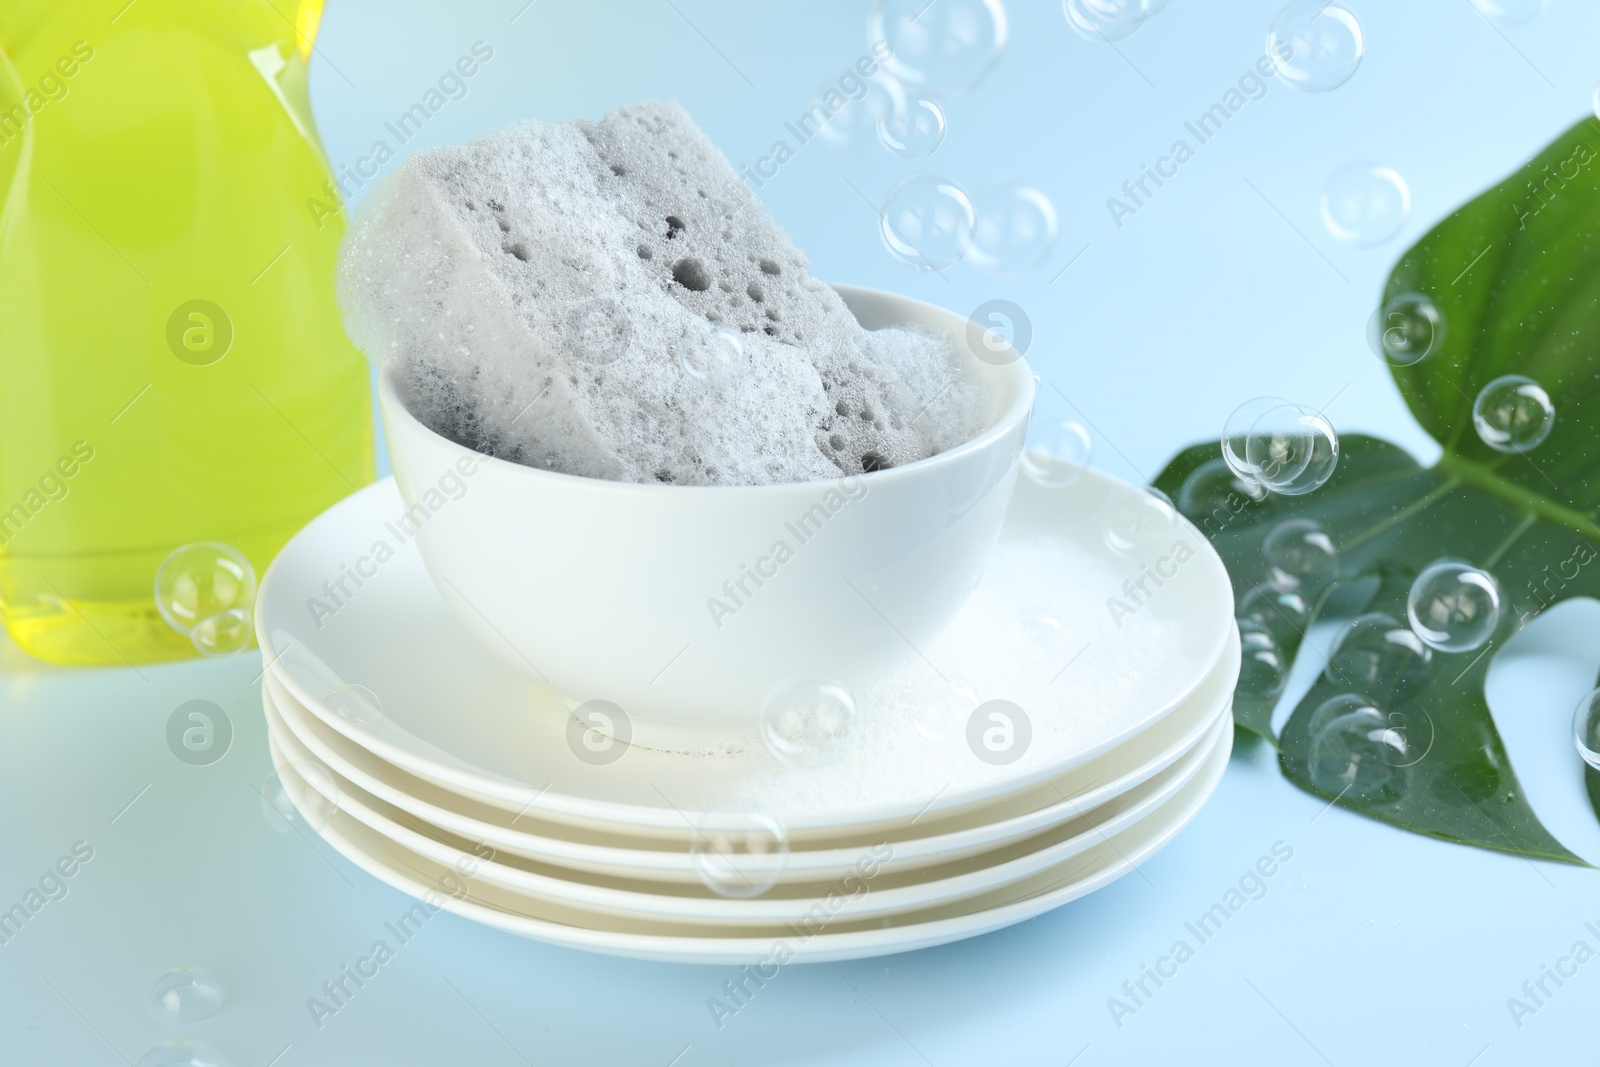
620, 592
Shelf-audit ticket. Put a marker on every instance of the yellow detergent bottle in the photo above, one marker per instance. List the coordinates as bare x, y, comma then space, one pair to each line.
172, 365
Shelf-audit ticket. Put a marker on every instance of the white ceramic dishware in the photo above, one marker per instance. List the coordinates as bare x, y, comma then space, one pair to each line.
833, 934
687, 605
1082, 663
768, 903
917, 844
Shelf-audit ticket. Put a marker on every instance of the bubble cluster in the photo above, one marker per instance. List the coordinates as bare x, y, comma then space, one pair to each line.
739, 855
207, 592
1216, 490
1586, 729
1454, 606
1014, 229
1263, 668
1380, 658
1136, 522
711, 357
926, 221
185, 995
356, 704
808, 722
1109, 20
1300, 554
914, 130
1315, 46
1060, 458
306, 796
1355, 753
1285, 448
944, 47
1407, 329
182, 1052
1365, 204
1513, 413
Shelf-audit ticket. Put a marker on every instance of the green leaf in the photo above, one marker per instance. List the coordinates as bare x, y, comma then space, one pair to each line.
1516, 275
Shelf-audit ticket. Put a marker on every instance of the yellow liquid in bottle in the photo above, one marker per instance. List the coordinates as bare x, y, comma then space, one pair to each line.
172, 364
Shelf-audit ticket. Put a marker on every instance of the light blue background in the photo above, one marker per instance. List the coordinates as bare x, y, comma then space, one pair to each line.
1370, 946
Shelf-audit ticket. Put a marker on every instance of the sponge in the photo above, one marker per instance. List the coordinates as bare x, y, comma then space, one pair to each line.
610, 300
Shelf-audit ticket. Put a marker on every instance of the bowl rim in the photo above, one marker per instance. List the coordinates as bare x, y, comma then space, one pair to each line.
1019, 381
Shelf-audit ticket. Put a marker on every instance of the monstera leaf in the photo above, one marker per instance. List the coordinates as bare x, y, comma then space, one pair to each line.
1515, 278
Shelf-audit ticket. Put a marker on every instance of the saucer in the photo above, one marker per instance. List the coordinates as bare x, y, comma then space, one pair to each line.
918, 844
831, 935
1092, 637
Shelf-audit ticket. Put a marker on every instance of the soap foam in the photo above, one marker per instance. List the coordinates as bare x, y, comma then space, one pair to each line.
535, 288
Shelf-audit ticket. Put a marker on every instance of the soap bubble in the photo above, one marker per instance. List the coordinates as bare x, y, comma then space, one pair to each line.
1513, 414
926, 221
1315, 46
1365, 205
854, 127
598, 330
1060, 458
185, 995
739, 855
1138, 521
1292, 450
1300, 553
1380, 658
944, 47
224, 633
914, 130
356, 704
1454, 606
1511, 12
1357, 754
1339, 706
1214, 491
1586, 729
1263, 668
1279, 610
182, 1052
807, 722
1236, 435
712, 356
206, 591
1013, 231
1108, 20
303, 795
1406, 330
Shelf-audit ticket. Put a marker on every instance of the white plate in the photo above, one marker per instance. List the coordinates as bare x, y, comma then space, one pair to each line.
815, 938
1041, 630
778, 903
924, 842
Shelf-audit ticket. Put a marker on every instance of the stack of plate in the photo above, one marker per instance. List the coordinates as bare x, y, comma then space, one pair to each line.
1063, 728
